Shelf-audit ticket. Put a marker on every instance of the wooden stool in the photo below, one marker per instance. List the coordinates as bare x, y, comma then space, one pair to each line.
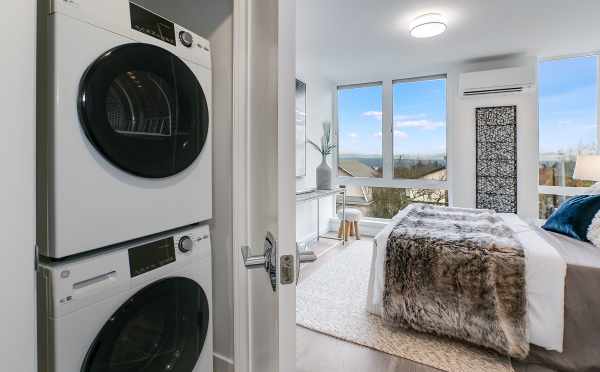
349, 223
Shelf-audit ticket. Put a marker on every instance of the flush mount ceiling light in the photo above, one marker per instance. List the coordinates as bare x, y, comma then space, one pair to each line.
427, 25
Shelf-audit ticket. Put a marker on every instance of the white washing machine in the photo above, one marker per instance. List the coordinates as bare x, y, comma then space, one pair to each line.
139, 307
125, 142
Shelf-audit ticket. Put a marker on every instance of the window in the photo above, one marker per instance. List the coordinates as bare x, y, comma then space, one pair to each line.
568, 126
420, 129
392, 154
360, 145
385, 202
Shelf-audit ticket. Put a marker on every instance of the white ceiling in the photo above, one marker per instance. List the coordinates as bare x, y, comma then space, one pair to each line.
345, 40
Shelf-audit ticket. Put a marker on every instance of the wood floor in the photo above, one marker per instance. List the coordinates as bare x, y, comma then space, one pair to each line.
317, 352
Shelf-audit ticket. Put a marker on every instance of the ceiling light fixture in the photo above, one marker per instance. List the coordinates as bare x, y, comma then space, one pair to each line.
427, 25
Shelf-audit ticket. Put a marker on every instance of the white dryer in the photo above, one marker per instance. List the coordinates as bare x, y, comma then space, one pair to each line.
125, 144
139, 307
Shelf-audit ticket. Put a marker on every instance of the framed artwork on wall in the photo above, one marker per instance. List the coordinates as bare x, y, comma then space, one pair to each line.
300, 128
496, 164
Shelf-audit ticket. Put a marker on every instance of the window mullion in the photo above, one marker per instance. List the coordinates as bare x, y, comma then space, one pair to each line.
388, 130
598, 104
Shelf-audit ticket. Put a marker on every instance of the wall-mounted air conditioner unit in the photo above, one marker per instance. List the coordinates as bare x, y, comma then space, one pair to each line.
506, 80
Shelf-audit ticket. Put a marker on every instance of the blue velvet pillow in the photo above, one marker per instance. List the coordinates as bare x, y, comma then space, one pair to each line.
574, 216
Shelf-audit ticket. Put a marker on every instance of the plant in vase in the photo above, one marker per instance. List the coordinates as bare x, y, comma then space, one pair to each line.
326, 148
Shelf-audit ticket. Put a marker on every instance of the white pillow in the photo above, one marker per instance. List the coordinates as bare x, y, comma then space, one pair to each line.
593, 233
595, 189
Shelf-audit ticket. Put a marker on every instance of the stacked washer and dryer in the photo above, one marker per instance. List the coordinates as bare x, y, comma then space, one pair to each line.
125, 185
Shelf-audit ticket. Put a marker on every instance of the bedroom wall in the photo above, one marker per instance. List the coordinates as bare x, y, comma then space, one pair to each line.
320, 94
213, 20
464, 147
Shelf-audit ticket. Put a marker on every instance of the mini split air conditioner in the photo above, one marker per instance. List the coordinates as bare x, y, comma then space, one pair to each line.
500, 81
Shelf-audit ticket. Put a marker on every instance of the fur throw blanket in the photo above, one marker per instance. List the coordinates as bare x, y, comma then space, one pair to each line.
460, 273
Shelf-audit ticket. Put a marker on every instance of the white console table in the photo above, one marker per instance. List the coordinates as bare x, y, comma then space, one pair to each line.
318, 195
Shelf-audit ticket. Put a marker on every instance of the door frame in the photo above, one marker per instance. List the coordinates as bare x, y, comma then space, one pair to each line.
241, 312
243, 349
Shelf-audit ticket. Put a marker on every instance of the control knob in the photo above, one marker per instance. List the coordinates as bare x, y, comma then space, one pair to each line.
186, 39
186, 244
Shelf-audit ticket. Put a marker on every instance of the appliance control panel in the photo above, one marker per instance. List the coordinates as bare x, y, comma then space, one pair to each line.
152, 24
158, 253
150, 256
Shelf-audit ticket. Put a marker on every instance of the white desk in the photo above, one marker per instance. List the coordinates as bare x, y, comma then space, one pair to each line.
318, 195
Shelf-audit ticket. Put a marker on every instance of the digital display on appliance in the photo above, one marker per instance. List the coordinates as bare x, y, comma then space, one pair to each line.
151, 256
151, 24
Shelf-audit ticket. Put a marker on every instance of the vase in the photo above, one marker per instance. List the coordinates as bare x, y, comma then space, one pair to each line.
324, 175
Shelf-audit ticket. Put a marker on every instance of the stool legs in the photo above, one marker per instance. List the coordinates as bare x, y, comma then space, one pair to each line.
341, 230
356, 233
344, 230
348, 228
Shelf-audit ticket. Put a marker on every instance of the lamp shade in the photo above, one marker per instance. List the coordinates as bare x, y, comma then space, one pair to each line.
587, 168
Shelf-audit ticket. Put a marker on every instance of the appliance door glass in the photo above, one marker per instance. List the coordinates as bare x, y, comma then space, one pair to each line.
144, 110
161, 328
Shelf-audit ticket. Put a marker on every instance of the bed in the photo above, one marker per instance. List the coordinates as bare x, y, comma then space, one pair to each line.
581, 342
562, 292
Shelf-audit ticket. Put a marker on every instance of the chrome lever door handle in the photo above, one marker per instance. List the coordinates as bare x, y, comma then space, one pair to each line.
253, 262
303, 257
307, 257
267, 261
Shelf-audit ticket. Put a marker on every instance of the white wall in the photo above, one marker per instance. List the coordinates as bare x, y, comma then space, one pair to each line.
320, 94
213, 20
463, 155
17, 200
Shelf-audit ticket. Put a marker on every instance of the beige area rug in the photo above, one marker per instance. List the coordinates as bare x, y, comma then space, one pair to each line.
332, 300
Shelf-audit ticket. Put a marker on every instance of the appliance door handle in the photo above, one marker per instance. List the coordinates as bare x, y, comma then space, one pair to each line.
94, 280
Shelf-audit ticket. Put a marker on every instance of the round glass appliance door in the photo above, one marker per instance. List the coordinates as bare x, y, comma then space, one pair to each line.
144, 110
162, 328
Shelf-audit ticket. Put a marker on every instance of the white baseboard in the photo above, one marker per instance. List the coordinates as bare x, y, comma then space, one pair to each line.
222, 363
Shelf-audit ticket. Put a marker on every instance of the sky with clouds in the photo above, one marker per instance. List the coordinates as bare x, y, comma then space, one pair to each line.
568, 104
419, 119
568, 92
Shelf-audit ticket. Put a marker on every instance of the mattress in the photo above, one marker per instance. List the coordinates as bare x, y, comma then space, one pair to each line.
581, 343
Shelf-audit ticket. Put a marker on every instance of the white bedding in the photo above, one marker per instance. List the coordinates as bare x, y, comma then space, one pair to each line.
545, 277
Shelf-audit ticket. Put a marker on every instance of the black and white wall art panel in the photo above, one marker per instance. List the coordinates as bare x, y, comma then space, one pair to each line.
496, 174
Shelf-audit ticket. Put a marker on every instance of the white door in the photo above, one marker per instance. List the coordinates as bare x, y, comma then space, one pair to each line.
264, 184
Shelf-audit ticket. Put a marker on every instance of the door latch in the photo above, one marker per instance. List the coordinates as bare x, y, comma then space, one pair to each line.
286, 264
268, 260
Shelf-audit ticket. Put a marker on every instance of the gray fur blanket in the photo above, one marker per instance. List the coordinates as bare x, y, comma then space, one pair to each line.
459, 273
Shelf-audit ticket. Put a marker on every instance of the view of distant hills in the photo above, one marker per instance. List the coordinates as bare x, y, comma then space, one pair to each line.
404, 167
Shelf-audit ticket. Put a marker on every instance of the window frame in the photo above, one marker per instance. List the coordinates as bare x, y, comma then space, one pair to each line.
388, 180
440, 184
569, 190
336, 136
